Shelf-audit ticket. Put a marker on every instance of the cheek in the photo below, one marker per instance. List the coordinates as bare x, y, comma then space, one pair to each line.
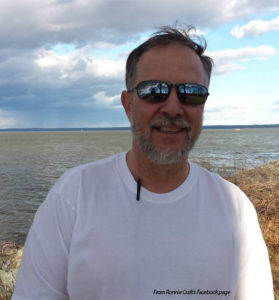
145, 112
194, 114
139, 118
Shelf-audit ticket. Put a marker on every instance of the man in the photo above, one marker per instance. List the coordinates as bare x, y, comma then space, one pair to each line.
148, 224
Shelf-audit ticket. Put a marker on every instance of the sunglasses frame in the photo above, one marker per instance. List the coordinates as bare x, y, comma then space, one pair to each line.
184, 98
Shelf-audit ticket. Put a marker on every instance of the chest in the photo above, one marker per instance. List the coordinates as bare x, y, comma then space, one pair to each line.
158, 248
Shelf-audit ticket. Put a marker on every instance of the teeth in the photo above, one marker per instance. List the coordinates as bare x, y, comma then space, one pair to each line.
169, 129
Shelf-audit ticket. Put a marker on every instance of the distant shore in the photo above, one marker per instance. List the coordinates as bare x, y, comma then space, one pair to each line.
128, 128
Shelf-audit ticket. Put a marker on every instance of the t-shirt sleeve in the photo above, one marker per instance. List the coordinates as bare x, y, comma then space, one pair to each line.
255, 279
43, 270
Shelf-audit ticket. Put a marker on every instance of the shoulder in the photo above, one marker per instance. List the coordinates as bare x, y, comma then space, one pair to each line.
94, 168
70, 184
214, 180
222, 191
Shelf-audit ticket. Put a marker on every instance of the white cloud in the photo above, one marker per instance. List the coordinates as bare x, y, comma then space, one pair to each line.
6, 121
61, 67
232, 59
76, 65
255, 28
79, 21
241, 115
106, 68
275, 108
35, 75
222, 114
229, 109
102, 100
104, 45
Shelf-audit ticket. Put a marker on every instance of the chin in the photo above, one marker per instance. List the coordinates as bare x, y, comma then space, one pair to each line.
166, 157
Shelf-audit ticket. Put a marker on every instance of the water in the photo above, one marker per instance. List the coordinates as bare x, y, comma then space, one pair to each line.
30, 163
235, 149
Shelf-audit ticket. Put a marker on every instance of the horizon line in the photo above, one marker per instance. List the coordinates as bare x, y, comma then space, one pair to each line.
128, 127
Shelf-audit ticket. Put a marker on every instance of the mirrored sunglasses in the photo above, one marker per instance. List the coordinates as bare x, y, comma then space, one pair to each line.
158, 91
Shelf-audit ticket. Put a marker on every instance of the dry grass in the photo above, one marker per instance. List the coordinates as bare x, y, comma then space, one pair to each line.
10, 257
261, 185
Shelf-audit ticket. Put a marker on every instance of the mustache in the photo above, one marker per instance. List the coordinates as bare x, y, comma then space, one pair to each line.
168, 121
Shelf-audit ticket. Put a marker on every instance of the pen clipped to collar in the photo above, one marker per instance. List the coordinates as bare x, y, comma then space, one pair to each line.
138, 189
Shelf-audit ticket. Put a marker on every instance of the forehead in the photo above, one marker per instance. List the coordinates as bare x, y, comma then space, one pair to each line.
174, 63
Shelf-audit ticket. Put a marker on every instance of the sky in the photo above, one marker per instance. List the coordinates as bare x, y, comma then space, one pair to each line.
62, 61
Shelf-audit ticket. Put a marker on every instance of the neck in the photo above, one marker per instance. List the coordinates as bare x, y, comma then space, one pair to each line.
156, 177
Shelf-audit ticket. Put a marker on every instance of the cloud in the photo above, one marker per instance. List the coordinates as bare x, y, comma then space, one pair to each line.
225, 115
27, 57
38, 23
105, 68
102, 100
255, 28
6, 121
217, 113
40, 80
244, 107
274, 107
79, 64
17, 69
232, 59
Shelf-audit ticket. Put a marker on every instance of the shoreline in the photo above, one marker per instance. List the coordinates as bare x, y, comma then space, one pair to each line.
125, 128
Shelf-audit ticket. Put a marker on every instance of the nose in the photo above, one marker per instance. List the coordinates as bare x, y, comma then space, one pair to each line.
172, 106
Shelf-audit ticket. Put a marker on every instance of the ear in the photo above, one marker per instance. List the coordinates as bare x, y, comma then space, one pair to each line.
126, 102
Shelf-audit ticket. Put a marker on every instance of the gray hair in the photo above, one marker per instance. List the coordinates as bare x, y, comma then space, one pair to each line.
165, 36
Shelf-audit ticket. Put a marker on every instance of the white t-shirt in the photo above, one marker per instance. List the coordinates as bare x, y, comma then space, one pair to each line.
91, 239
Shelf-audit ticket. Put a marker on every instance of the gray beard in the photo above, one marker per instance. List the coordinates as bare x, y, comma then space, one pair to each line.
164, 157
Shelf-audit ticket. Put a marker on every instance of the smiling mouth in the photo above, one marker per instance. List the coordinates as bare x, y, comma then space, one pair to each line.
170, 130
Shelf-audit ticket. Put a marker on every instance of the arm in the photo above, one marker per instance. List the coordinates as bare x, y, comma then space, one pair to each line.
255, 280
43, 270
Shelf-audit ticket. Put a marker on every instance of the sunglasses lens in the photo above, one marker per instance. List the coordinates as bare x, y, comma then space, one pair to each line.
153, 91
193, 94
158, 91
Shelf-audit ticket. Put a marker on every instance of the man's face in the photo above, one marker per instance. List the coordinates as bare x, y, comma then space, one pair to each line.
167, 131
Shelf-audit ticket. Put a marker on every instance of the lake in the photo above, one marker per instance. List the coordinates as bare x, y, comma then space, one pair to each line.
30, 162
